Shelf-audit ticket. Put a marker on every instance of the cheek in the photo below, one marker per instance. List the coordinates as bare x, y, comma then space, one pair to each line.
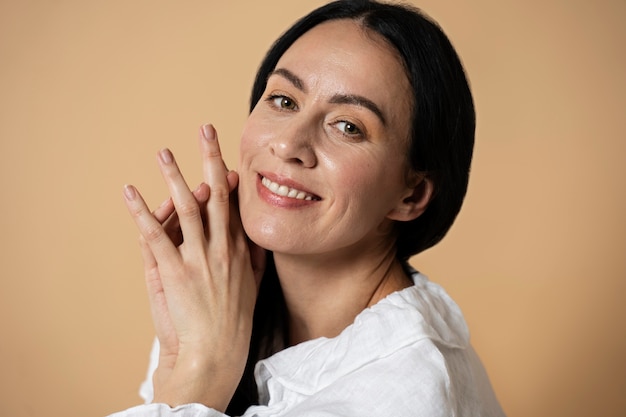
256, 135
363, 173
374, 184
245, 143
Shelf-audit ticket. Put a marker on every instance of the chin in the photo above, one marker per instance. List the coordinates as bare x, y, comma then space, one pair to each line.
275, 238
261, 233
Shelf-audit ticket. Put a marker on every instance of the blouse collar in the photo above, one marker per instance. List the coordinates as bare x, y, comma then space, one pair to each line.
422, 311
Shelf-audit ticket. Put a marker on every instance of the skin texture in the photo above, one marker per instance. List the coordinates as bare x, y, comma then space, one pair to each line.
201, 289
333, 125
302, 138
334, 254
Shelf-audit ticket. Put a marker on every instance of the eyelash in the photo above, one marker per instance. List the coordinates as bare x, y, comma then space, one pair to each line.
358, 133
272, 100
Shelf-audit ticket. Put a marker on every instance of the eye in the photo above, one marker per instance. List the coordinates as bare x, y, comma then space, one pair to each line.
348, 128
282, 102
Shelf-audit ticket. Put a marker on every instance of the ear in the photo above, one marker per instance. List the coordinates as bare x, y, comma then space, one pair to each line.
414, 202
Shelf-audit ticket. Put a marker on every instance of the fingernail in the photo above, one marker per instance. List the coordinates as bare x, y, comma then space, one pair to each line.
207, 133
166, 156
129, 192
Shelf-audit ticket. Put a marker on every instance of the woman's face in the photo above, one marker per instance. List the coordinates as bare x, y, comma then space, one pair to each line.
322, 163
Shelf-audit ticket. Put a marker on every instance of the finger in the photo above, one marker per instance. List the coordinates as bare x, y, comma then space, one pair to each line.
149, 227
166, 209
151, 274
151, 271
257, 254
232, 177
172, 228
156, 298
154, 287
201, 193
236, 228
167, 216
215, 176
185, 203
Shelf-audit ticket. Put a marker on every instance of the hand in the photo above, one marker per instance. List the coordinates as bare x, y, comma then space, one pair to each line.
202, 275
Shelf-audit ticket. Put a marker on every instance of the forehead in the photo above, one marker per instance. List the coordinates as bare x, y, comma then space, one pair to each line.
344, 56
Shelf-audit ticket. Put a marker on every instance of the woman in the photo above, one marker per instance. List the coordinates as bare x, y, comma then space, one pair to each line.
283, 289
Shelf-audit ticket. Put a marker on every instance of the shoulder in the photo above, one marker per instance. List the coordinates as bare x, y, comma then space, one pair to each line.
411, 381
408, 355
422, 311
388, 362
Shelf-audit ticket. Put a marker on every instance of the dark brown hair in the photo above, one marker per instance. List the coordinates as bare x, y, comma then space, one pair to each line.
441, 146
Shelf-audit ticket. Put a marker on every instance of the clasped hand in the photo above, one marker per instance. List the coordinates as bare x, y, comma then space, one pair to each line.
202, 276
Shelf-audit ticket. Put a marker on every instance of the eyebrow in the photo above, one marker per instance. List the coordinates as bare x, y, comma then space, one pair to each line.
289, 76
360, 101
351, 99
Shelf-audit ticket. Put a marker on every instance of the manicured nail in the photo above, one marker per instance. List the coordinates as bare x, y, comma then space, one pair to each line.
166, 156
129, 192
207, 133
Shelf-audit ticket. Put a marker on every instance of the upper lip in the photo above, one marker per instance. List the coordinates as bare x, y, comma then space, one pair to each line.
288, 182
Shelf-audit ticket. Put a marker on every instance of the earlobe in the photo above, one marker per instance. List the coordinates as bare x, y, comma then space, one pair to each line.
415, 202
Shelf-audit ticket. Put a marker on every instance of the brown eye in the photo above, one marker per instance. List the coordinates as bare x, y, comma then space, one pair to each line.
283, 102
348, 128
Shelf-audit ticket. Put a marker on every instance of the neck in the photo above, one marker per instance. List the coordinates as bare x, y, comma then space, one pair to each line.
324, 294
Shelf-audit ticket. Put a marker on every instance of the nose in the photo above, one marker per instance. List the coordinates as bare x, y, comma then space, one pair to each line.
294, 146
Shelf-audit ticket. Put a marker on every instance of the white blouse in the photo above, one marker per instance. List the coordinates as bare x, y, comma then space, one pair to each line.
408, 355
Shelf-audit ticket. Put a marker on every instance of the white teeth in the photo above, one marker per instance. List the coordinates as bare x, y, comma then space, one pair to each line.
285, 191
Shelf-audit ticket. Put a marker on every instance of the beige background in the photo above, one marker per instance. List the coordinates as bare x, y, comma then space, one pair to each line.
90, 90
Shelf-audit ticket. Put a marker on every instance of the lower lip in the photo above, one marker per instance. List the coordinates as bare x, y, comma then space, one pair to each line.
278, 200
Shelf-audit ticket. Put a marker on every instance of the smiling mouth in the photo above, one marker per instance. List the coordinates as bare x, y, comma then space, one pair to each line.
284, 191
